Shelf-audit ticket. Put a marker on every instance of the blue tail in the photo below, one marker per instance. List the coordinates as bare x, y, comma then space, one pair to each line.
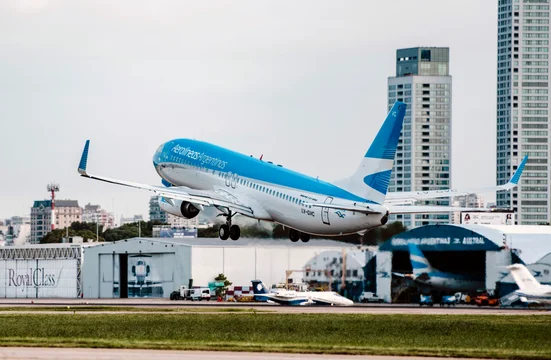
371, 179
419, 262
259, 289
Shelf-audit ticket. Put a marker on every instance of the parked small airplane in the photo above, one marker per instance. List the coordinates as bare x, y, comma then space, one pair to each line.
425, 274
292, 297
530, 291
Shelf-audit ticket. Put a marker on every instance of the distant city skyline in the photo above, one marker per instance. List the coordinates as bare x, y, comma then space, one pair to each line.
303, 83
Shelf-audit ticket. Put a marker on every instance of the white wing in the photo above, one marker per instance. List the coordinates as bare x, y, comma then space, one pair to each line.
397, 198
217, 197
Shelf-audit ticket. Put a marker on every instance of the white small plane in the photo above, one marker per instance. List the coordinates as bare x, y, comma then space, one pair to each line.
292, 297
530, 290
196, 174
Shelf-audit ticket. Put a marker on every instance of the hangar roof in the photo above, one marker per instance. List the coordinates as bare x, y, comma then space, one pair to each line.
531, 241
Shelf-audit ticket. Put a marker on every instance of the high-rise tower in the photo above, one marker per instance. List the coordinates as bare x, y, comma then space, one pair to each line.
423, 157
523, 107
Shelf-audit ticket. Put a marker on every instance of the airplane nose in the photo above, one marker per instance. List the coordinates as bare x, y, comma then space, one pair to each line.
158, 156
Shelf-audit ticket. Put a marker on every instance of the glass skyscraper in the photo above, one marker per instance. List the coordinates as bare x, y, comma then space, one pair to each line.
523, 107
423, 157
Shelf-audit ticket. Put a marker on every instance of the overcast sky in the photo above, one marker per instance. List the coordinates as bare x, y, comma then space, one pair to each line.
302, 82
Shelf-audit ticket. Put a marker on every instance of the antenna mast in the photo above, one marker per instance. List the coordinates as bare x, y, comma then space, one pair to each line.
53, 188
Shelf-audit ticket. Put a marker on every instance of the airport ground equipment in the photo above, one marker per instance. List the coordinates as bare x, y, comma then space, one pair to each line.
426, 300
369, 297
194, 294
449, 300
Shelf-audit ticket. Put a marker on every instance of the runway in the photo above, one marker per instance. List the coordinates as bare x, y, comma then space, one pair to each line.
117, 354
165, 305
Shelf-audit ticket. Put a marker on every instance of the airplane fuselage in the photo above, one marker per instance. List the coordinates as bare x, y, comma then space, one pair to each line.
273, 193
452, 282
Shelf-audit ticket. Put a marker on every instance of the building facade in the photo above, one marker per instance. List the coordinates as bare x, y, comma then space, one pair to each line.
155, 211
523, 107
156, 214
423, 157
474, 201
131, 220
66, 213
94, 213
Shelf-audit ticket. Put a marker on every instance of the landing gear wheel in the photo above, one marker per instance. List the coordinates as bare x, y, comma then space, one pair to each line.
224, 232
294, 235
235, 232
304, 237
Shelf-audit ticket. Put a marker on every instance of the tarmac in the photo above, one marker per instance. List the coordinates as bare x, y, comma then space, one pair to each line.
117, 354
203, 306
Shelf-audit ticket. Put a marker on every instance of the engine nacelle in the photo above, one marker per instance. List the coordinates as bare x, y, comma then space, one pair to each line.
180, 208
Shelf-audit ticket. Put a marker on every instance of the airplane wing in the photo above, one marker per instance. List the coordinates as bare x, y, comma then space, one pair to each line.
200, 198
397, 198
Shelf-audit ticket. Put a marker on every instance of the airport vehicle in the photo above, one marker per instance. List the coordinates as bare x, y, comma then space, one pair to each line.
425, 300
292, 297
485, 299
368, 296
425, 274
196, 174
449, 300
193, 294
531, 291
462, 298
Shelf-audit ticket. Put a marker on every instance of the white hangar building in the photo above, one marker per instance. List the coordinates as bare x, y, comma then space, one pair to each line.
41, 271
153, 267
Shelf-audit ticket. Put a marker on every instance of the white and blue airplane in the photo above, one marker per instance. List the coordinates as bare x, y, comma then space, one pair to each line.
196, 174
425, 274
292, 297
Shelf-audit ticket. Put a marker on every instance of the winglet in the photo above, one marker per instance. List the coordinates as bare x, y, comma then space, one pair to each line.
84, 159
516, 176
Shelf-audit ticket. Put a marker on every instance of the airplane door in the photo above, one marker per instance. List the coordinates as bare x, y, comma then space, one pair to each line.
325, 211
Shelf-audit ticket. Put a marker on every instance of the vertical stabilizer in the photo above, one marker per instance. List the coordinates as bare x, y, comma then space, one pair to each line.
419, 262
524, 278
371, 179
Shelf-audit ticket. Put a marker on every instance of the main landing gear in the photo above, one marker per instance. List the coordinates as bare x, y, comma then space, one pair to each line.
228, 230
295, 235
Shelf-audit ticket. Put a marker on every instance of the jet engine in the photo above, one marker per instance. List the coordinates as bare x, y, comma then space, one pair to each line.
180, 208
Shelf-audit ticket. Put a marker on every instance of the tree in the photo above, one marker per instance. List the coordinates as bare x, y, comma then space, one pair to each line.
209, 232
221, 291
127, 231
55, 236
90, 226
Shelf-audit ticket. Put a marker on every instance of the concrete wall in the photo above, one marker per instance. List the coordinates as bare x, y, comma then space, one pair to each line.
243, 264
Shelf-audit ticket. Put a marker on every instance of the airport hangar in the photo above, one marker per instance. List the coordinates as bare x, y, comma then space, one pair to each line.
154, 267
464, 249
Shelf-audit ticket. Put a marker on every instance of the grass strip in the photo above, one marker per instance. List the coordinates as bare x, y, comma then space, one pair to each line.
490, 336
86, 308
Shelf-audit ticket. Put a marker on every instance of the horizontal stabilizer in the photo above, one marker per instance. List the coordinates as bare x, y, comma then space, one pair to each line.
414, 209
396, 198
